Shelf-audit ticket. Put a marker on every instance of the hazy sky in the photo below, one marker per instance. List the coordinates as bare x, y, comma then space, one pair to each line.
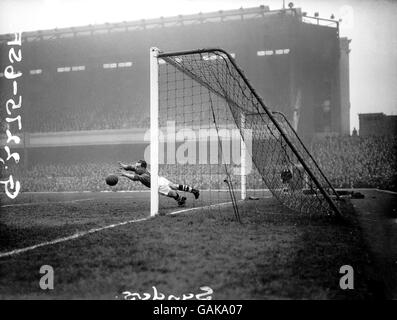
371, 24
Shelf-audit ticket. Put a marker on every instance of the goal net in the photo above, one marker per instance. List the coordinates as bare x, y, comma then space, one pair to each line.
210, 130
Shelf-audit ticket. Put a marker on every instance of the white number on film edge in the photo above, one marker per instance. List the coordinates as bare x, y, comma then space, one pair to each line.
12, 187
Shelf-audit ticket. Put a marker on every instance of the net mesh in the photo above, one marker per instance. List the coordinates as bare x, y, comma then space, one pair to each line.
286, 126
208, 107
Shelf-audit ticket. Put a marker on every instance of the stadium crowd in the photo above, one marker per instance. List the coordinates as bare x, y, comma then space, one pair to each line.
358, 162
86, 119
349, 162
91, 177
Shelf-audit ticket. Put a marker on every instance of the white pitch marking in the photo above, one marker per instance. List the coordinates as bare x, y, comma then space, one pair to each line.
49, 202
386, 191
133, 191
205, 207
83, 233
74, 236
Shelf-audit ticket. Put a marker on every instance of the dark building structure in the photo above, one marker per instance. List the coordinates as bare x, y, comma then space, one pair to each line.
88, 87
377, 124
344, 80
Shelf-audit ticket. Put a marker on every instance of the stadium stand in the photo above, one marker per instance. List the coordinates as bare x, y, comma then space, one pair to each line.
85, 118
349, 162
358, 162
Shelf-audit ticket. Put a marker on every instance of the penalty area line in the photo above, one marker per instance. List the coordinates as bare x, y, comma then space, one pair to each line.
68, 238
94, 230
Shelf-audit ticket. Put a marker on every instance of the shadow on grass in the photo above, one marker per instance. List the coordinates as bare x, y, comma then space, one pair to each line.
274, 254
326, 245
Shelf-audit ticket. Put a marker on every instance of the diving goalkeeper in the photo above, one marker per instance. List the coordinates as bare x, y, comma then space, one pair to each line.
166, 187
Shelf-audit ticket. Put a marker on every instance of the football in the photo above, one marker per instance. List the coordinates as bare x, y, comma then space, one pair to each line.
112, 180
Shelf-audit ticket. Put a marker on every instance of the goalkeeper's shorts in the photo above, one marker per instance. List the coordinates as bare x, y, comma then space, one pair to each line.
164, 186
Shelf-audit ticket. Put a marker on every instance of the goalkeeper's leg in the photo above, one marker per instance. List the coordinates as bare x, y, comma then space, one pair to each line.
175, 195
165, 189
185, 188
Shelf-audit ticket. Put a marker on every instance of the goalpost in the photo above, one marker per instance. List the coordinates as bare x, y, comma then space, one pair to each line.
211, 130
154, 131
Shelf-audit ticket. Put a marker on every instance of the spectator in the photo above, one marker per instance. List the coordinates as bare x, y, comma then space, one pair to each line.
349, 162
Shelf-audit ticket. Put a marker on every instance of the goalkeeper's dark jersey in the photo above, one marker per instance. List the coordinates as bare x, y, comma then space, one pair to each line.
143, 176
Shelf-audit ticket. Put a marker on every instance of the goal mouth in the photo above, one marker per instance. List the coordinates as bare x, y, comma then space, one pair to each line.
205, 89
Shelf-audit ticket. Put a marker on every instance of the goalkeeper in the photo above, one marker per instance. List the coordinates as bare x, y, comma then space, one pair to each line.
166, 187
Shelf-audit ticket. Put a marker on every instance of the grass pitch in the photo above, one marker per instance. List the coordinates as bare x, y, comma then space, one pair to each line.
273, 254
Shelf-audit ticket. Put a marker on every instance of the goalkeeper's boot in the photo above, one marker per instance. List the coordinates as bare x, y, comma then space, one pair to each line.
182, 201
196, 193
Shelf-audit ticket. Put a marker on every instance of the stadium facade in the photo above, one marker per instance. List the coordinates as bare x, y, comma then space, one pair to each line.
298, 64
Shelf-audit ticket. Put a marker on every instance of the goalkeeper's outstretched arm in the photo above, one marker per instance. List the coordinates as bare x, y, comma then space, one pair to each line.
128, 167
131, 176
